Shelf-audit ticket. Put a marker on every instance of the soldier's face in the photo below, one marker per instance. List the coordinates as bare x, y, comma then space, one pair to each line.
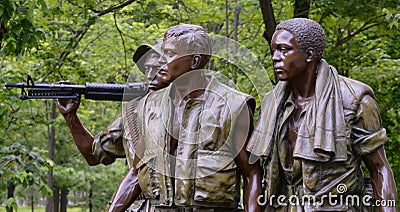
289, 61
152, 66
177, 62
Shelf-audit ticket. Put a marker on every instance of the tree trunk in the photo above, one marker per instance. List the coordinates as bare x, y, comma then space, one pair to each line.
50, 200
50, 206
227, 26
10, 192
269, 23
236, 15
90, 199
2, 31
64, 200
269, 20
301, 8
32, 200
227, 18
56, 196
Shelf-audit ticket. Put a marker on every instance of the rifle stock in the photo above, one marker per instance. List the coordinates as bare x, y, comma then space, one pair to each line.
105, 92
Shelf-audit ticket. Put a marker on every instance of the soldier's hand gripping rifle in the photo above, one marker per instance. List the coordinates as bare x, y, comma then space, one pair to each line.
106, 92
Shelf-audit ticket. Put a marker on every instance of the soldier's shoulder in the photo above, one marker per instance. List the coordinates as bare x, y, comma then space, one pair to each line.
234, 98
156, 95
227, 90
152, 98
353, 91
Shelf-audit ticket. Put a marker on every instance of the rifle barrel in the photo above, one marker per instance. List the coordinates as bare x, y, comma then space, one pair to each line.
110, 92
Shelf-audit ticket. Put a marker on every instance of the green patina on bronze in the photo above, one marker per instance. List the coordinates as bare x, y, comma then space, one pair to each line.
205, 171
317, 128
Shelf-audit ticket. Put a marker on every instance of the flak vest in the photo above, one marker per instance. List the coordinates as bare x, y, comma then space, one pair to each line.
317, 176
206, 174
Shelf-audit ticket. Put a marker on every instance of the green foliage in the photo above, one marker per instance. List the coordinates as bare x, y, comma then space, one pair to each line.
384, 78
89, 41
21, 32
21, 166
11, 204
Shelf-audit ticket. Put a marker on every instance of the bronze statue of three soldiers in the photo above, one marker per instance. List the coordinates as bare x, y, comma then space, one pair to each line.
190, 142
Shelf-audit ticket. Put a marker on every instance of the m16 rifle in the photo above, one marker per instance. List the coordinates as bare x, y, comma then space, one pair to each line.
105, 92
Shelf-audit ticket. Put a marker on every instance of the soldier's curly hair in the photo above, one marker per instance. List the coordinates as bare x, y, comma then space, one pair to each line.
307, 33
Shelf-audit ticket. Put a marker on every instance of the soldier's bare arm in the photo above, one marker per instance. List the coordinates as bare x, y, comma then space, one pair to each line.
82, 137
251, 172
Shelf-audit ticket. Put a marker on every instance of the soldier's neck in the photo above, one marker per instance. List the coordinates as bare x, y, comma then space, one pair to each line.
303, 86
187, 87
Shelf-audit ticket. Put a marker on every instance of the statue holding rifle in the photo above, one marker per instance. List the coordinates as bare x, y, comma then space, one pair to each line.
193, 134
119, 139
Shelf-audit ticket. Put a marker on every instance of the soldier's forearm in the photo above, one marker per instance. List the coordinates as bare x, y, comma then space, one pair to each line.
382, 178
384, 188
251, 174
128, 191
252, 189
82, 138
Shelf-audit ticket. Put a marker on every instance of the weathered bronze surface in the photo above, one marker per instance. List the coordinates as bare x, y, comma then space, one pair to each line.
193, 134
121, 136
316, 129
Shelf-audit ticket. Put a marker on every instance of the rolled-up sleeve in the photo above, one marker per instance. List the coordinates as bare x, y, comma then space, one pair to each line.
367, 130
108, 144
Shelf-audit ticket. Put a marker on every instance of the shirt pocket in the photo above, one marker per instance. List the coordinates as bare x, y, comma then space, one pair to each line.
216, 177
148, 178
